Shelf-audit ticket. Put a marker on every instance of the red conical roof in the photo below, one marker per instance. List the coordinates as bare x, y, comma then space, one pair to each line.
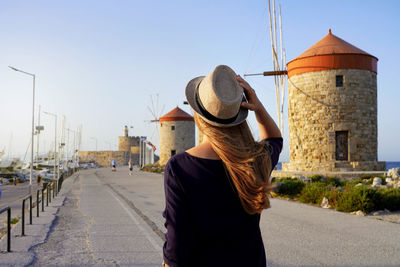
177, 114
332, 52
331, 44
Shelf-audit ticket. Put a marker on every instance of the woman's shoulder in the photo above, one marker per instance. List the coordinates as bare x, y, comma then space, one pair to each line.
185, 159
185, 163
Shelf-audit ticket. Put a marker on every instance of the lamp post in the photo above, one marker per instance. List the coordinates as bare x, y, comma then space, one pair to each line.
55, 142
33, 122
94, 138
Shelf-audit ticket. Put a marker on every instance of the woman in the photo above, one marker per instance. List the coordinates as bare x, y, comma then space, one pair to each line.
216, 191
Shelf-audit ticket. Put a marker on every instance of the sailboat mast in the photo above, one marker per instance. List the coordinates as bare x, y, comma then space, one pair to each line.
37, 132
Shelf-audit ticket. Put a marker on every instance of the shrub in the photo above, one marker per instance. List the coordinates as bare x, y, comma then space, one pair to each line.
357, 198
313, 193
316, 178
14, 220
334, 181
365, 176
290, 187
388, 199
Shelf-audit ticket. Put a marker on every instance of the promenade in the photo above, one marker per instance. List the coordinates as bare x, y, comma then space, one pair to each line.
106, 218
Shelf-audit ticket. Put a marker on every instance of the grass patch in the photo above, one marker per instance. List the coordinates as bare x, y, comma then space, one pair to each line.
14, 220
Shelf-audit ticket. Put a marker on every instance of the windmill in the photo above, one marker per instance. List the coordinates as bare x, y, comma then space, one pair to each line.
154, 110
279, 63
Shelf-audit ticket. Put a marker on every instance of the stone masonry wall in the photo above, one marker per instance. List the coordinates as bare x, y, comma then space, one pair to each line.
103, 158
317, 108
180, 139
126, 142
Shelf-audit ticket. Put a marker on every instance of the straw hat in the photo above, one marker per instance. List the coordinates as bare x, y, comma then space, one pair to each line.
217, 97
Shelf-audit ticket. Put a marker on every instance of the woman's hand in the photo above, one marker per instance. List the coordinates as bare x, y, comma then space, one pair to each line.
266, 124
253, 103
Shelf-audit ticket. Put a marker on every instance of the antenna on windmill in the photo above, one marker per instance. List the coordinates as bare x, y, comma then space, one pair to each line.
154, 110
279, 71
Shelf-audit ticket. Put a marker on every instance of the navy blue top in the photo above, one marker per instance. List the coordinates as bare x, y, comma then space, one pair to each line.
206, 223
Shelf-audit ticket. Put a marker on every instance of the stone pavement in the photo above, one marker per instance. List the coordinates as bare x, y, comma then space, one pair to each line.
106, 218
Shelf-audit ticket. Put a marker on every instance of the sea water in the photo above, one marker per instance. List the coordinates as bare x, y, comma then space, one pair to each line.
389, 165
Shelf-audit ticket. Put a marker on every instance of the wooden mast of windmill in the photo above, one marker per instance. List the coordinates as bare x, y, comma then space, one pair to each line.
279, 71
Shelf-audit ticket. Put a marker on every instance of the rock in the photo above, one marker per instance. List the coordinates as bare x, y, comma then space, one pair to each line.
305, 179
378, 213
359, 184
377, 180
375, 185
389, 180
325, 203
360, 213
394, 173
389, 185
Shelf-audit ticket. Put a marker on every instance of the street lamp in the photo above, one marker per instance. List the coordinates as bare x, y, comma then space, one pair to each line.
56, 171
33, 121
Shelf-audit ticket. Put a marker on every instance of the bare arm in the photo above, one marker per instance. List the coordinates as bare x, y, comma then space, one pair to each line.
266, 124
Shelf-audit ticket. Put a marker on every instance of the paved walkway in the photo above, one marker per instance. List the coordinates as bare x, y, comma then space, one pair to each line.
112, 219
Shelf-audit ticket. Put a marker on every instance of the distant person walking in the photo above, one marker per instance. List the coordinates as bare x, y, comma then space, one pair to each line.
114, 165
130, 167
215, 192
15, 180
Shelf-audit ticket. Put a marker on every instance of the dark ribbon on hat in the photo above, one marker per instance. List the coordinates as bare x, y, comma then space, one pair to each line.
208, 115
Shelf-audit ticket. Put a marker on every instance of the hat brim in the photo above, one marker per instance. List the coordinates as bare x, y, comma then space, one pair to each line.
190, 92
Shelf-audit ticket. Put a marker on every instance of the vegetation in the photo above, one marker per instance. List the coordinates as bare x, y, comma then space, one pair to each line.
346, 196
156, 168
14, 221
290, 187
313, 193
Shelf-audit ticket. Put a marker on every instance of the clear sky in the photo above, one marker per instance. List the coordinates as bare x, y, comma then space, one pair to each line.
99, 62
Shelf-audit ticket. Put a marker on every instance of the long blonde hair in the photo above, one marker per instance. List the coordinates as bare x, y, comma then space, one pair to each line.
247, 162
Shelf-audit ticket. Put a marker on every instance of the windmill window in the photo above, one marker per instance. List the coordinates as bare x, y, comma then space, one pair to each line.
339, 80
173, 128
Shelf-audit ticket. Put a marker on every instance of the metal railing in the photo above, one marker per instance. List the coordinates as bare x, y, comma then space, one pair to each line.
54, 186
23, 213
8, 209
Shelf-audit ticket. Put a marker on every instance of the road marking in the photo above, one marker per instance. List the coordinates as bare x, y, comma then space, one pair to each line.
136, 221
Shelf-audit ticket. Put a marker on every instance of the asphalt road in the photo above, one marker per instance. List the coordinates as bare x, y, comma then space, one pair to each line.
113, 219
12, 196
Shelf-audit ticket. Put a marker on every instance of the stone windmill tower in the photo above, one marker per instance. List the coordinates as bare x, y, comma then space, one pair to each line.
177, 133
332, 108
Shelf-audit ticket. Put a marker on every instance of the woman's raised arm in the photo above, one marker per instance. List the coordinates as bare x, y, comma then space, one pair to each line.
266, 124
